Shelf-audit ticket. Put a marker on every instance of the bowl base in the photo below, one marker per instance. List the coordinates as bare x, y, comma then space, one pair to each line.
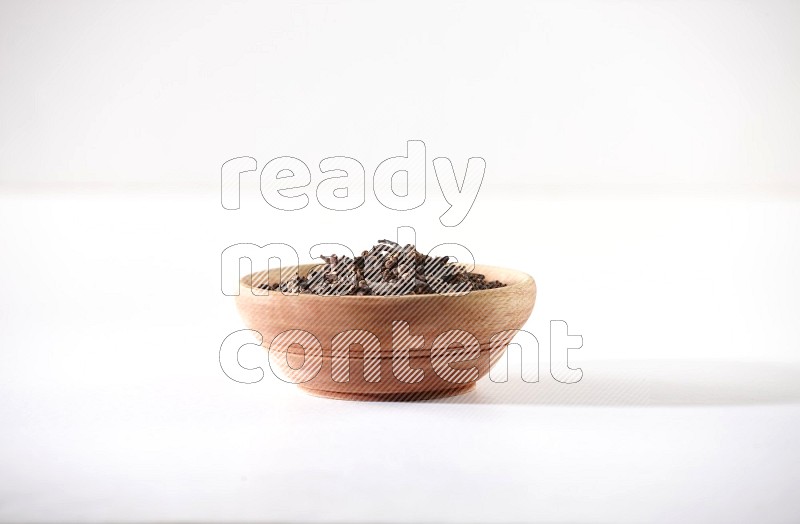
389, 397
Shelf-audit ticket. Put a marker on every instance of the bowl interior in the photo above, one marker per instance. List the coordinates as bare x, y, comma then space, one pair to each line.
509, 277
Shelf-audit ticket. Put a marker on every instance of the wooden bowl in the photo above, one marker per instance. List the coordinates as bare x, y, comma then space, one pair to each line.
343, 346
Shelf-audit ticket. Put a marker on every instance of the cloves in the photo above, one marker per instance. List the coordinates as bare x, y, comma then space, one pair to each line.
386, 269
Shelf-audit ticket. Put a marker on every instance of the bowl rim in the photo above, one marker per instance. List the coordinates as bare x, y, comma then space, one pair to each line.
525, 279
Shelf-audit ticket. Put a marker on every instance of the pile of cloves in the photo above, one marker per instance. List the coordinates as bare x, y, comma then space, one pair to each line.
386, 269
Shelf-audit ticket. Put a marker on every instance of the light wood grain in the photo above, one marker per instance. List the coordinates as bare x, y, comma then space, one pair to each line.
482, 313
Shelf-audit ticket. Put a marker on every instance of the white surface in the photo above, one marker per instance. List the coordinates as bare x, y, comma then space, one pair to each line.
113, 405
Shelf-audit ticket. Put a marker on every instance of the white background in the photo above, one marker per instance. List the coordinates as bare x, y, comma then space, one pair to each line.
643, 164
